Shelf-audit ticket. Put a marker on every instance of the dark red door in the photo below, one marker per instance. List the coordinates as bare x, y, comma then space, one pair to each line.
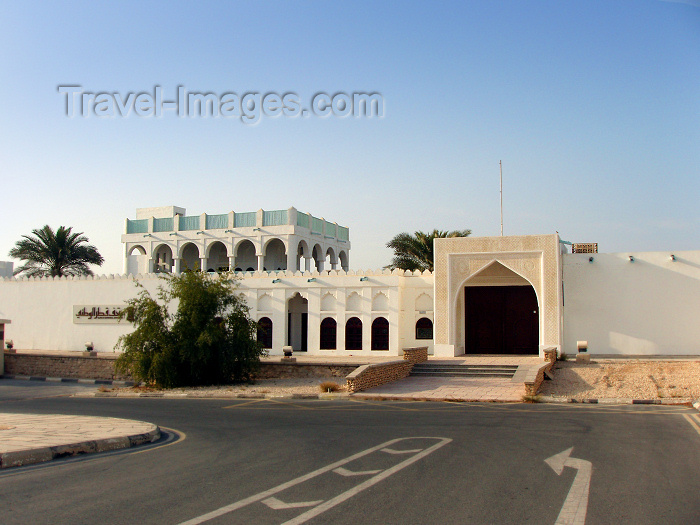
501, 320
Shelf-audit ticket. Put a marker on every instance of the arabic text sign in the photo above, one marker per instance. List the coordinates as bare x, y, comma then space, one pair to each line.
96, 314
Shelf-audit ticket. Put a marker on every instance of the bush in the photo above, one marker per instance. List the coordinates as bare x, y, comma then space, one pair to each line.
329, 386
209, 340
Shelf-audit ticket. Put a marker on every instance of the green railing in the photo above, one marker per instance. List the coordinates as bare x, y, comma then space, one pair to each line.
217, 222
190, 222
330, 229
316, 225
302, 219
244, 220
274, 218
137, 226
163, 225
343, 234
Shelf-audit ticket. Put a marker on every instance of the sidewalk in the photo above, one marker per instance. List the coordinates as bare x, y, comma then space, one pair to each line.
33, 438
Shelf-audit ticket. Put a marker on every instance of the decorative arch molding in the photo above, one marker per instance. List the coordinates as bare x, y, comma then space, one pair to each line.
266, 244
291, 294
214, 244
353, 302
424, 303
139, 248
329, 303
380, 301
265, 303
244, 242
184, 246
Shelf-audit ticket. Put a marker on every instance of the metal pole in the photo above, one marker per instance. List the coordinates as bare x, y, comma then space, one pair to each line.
500, 164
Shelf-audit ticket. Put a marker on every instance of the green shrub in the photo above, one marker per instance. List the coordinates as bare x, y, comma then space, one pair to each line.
209, 339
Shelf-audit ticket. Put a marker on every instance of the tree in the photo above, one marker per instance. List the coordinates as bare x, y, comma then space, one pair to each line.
209, 339
55, 254
415, 252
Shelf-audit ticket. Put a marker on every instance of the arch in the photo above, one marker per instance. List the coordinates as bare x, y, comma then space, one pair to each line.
353, 334
275, 255
245, 256
424, 328
217, 257
265, 332
380, 302
189, 253
424, 303
328, 303
329, 330
331, 258
318, 257
297, 322
265, 303
302, 251
380, 334
163, 259
141, 250
353, 303
343, 257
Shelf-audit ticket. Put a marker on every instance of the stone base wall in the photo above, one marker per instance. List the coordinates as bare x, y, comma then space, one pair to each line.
418, 354
102, 367
76, 367
286, 370
533, 386
369, 376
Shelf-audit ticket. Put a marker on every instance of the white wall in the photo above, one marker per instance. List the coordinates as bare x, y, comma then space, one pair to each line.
649, 306
41, 310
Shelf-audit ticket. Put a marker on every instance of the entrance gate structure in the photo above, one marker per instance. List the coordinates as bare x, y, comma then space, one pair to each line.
498, 294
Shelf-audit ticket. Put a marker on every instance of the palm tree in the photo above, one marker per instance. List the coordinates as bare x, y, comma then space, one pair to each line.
55, 254
415, 252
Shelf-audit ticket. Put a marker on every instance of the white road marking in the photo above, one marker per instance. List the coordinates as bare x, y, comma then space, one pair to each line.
573, 512
277, 504
266, 495
345, 472
694, 424
392, 451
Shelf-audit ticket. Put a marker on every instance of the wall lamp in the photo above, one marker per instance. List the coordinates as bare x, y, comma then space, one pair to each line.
631, 259
275, 281
173, 233
228, 231
673, 257
590, 259
148, 235
200, 233
364, 278
312, 280
256, 229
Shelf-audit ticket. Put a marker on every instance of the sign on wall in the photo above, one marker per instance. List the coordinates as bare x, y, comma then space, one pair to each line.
96, 314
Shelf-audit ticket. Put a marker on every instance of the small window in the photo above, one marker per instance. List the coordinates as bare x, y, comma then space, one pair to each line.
353, 334
424, 328
328, 334
380, 334
265, 332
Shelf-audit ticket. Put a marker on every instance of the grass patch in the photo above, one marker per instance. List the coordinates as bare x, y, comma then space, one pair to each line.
329, 387
532, 399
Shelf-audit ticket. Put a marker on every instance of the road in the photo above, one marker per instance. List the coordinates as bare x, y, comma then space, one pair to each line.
263, 461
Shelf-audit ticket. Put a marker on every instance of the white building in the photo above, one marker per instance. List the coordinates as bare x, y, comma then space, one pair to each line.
487, 295
166, 239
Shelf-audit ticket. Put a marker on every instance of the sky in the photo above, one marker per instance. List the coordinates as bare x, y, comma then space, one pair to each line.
593, 107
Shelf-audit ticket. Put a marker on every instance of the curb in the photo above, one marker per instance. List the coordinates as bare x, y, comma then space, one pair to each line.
620, 401
38, 455
165, 395
70, 380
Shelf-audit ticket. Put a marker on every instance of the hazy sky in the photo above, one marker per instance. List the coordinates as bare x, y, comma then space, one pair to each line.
593, 107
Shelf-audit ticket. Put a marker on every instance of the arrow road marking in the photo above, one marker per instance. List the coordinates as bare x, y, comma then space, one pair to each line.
320, 506
573, 512
276, 504
345, 472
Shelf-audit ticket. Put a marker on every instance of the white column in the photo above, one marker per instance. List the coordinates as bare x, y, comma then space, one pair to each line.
261, 261
307, 263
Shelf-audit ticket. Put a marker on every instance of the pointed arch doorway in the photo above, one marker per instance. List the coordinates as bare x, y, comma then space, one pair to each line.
501, 313
298, 323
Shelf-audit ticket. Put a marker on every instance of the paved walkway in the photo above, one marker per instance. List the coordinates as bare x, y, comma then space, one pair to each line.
33, 438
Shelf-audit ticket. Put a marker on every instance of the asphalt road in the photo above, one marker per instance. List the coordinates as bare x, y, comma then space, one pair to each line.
261, 461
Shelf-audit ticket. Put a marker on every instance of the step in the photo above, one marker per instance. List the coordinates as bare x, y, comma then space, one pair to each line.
430, 373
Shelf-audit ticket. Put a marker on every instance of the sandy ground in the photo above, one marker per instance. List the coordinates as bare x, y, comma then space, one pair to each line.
625, 380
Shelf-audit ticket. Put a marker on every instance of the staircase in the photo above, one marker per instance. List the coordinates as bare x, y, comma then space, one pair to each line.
447, 370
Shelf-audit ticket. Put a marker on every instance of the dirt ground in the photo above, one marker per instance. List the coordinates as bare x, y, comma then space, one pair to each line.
636, 379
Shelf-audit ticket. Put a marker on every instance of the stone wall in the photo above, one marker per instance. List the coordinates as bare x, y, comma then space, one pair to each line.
284, 370
369, 376
76, 367
418, 354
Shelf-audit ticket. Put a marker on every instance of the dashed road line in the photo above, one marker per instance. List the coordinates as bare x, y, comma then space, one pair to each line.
320, 506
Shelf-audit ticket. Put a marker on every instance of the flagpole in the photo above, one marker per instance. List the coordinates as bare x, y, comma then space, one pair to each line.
500, 165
